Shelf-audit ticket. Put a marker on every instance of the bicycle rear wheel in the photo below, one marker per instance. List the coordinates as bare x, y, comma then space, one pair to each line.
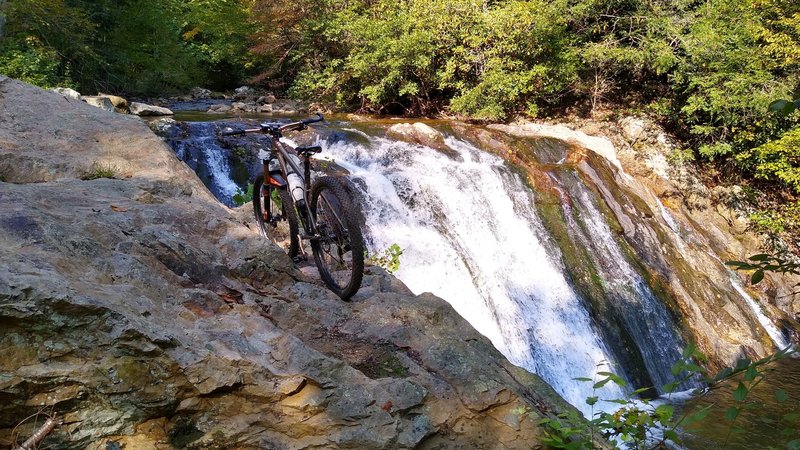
339, 249
274, 209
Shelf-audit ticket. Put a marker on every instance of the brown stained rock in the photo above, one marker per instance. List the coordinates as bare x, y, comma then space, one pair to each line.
148, 315
418, 133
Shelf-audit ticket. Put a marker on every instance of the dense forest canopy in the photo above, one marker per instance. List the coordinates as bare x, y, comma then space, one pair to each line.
706, 69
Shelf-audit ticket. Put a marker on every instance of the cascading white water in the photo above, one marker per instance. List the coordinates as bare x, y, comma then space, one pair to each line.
205, 156
471, 236
641, 314
774, 333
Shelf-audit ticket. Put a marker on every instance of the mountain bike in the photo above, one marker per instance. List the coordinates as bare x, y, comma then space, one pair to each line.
329, 215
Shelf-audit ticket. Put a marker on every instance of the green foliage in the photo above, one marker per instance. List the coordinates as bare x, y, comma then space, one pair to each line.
642, 424
762, 263
242, 197
136, 46
32, 62
388, 259
145, 47
491, 60
217, 36
99, 170
777, 160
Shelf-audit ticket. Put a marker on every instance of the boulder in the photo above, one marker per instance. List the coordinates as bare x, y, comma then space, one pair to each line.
143, 109
632, 128
165, 127
99, 102
417, 133
596, 144
145, 314
243, 92
220, 108
200, 93
67, 92
120, 103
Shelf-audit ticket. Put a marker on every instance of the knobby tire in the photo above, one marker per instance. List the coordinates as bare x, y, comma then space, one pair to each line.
339, 250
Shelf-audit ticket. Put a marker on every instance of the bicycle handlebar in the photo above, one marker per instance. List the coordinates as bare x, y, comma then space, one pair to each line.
265, 127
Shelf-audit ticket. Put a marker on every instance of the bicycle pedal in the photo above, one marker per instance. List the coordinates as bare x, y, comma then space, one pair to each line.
299, 258
310, 237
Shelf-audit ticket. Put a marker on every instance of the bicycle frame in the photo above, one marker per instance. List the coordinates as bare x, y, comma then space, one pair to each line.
278, 151
335, 235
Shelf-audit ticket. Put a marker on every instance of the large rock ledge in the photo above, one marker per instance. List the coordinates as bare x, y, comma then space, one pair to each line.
144, 314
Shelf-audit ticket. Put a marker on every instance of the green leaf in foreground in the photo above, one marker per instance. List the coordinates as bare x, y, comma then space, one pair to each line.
781, 396
740, 393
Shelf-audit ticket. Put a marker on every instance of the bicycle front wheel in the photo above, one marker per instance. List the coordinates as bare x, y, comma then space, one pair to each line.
339, 245
274, 209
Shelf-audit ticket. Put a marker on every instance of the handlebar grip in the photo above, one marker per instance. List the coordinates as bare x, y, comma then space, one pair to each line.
319, 118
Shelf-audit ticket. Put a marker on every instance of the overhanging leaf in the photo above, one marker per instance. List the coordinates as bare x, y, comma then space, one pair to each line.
731, 413
781, 396
740, 393
758, 275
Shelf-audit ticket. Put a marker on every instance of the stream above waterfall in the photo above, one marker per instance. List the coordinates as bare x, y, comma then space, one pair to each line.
539, 259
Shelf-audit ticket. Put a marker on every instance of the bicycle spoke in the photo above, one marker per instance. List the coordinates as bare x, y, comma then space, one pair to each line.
340, 262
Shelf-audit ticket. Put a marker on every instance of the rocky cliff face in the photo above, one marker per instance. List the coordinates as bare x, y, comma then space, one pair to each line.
142, 313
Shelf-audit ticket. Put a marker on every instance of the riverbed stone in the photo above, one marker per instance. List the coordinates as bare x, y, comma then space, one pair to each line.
101, 102
120, 103
141, 310
143, 109
68, 92
243, 92
200, 93
418, 133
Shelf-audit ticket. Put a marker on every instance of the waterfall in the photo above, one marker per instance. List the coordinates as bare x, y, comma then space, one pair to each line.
772, 331
642, 315
206, 157
470, 235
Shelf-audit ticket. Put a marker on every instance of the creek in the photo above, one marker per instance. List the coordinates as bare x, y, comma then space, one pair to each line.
566, 272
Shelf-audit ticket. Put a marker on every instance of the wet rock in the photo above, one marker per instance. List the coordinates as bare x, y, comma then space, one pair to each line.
165, 127
143, 109
597, 144
417, 133
146, 314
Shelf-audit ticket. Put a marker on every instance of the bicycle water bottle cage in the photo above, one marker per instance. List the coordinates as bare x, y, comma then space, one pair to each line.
308, 151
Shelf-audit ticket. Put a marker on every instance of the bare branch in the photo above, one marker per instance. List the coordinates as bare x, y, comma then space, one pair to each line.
37, 437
